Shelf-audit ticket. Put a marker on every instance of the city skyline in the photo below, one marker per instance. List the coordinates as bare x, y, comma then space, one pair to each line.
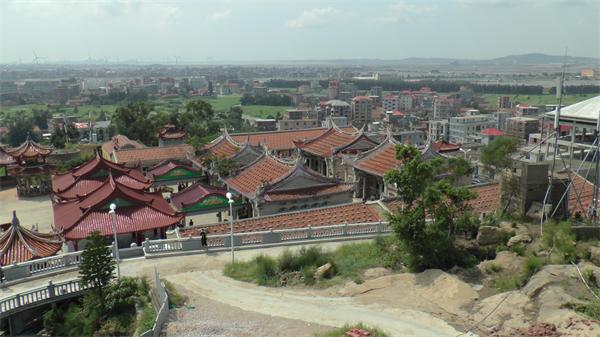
261, 31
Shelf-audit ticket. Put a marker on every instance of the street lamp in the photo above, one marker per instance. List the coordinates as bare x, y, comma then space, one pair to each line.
464, 151
230, 198
113, 207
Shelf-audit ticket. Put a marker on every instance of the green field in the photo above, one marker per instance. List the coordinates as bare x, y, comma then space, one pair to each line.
537, 100
220, 103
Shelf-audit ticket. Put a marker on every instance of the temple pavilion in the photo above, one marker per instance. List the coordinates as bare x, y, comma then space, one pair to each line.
139, 214
5, 161
30, 168
172, 172
324, 153
272, 185
369, 168
18, 244
92, 174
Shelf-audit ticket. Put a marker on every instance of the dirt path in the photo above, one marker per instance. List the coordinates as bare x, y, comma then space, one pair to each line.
310, 307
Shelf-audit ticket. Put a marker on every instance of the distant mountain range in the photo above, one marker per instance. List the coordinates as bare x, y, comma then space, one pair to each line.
524, 59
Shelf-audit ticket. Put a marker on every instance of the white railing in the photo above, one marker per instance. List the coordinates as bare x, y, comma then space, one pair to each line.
34, 297
162, 308
156, 248
259, 239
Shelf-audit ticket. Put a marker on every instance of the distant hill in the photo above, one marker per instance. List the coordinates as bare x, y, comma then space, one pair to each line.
538, 58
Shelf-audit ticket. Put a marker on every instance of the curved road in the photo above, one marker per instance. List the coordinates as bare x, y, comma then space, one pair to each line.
202, 275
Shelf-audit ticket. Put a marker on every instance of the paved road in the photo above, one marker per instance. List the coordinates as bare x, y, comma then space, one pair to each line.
201, 274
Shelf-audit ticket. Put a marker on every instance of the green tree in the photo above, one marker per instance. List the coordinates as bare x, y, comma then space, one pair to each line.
20, 125
135, 120
58, 138
211, 90
234, 118
198, 121
97, 266
433, 210
497, 154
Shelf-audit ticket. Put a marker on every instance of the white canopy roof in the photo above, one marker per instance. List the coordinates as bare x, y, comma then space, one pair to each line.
586, 111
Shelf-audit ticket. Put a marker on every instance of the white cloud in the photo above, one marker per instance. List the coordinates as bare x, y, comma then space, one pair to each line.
407, 8
403, 11
219, 15
312, 17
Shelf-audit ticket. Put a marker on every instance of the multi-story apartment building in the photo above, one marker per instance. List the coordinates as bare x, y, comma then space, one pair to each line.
406, 102
466, 129
522, 127
377, 91
438, 130
390, 103
503, 102
443, 107
333, 89
527, 110
362, 110
337, 108
295, 124
500, 117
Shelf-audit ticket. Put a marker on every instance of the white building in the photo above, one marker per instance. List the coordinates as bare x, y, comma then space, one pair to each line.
438, 130
467, 129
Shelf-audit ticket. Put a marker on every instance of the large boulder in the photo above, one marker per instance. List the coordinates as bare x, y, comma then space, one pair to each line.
519, 238
595, 255
323, 271
489, 235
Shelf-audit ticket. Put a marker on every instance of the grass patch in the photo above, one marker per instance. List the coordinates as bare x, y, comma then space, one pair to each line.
175, 298
347, 262
263, 111
532, 265
147, 318
375, 332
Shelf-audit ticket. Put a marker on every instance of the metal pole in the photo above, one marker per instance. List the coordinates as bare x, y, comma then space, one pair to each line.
231, 224
116, 243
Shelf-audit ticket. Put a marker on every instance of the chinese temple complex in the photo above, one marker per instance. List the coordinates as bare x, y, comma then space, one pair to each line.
324, 153
30, 168
139, 214
18, 244
89, 176
172, 172
272, 185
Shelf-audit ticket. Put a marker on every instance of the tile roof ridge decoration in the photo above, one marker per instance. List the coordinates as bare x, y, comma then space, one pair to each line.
355, 204
29, 143
17, 232
299, 169
172, 164
332, 129
258, 149
389, 139
211, 191
430, 153
362, 134
231, 140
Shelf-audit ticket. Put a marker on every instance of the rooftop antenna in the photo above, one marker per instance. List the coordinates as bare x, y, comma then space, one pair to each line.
559, 93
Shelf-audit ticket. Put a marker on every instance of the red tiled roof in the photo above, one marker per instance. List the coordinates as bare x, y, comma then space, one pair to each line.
580, 196
378, 160
281, 140
19, 245
195, 193
486, 201
169, 131
222, 147
89, 176
492, 132
398, 113
5, 158
28, 150
309, 192
443, 146
324, 145
131, 156
167, 166
119, 142
140, 212
266, 169
336, 215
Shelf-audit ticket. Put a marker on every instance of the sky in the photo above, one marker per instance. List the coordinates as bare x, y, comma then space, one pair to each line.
269, 30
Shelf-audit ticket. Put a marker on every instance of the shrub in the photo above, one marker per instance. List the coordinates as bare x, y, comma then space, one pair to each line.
590, 278
146, 320
308, 274
559, 238
493, 268
518, 249
532, 265
375, 332
266, 271
175, 298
